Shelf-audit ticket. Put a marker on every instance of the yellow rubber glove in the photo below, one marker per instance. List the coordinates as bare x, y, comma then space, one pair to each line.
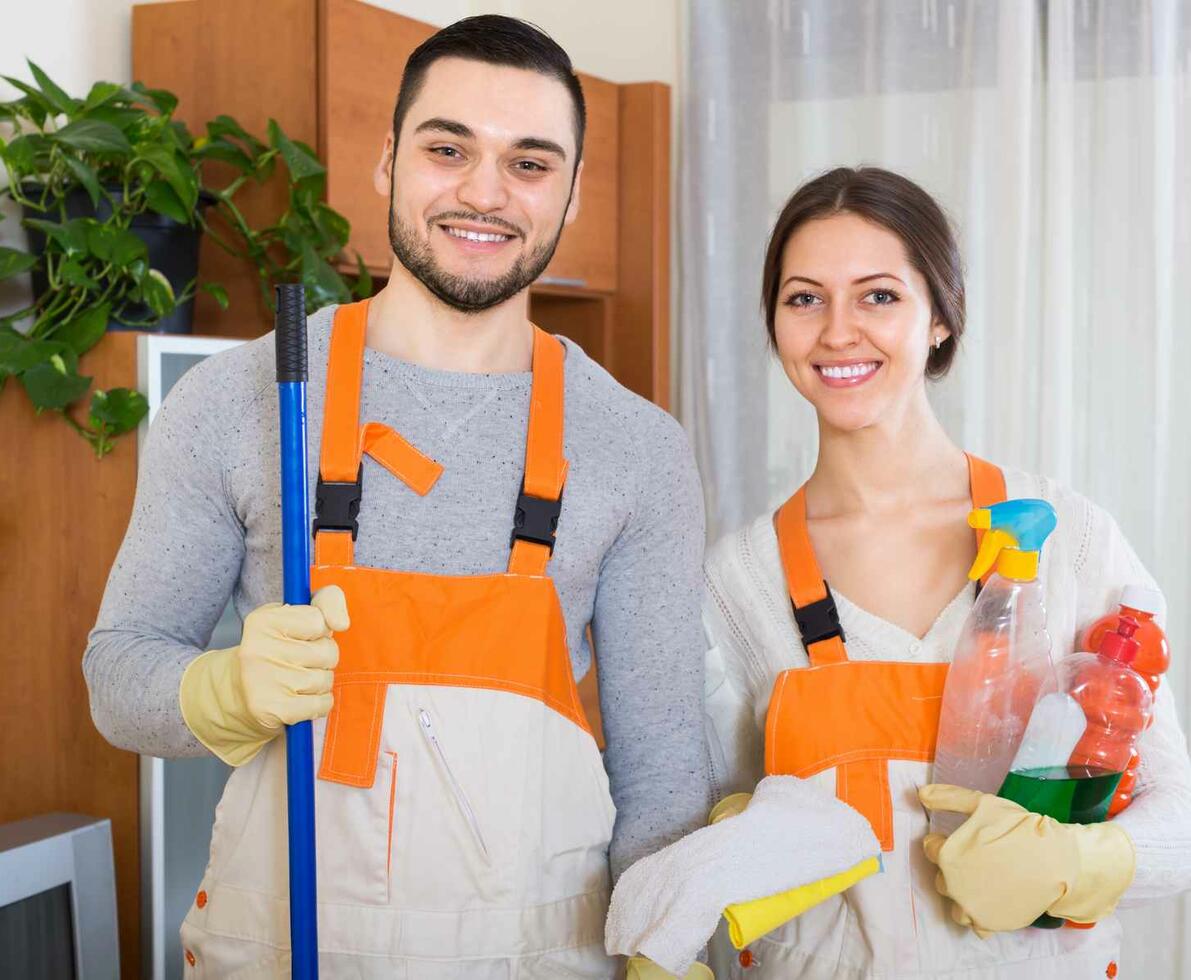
641, 968
749, 921
1005, 866
237, 700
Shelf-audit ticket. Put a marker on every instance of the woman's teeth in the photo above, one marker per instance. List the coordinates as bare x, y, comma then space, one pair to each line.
475, 236
848, 370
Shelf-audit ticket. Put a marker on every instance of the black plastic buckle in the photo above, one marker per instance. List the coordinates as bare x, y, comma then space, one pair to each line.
819, 620
536, 519
337, 505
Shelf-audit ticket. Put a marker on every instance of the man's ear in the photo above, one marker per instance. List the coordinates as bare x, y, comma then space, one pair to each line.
573, 205
382, 174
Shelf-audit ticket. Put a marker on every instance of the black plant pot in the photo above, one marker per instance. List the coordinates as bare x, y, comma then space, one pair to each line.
173, 250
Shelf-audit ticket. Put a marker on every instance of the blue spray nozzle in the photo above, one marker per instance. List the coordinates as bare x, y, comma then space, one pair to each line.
1022, 525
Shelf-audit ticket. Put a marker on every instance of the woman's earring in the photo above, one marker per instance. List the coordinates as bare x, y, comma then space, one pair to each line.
938, 342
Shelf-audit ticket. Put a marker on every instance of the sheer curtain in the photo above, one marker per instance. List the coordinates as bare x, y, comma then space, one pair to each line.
1056, 134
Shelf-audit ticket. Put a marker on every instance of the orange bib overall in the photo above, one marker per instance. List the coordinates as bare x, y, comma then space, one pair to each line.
462, 807
853, 716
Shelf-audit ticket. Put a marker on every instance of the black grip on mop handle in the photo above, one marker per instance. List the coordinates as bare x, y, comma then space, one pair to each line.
289, 325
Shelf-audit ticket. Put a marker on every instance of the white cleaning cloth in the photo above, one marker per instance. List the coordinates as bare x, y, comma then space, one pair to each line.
666, 906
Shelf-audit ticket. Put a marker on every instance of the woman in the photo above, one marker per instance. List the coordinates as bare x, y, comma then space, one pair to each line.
864, 301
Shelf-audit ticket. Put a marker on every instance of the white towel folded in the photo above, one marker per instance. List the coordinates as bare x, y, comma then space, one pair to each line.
666, 906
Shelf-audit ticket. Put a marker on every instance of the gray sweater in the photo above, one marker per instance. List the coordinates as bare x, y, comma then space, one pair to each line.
206, 526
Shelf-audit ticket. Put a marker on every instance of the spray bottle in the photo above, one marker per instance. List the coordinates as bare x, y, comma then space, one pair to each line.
1002, 663
1141, 603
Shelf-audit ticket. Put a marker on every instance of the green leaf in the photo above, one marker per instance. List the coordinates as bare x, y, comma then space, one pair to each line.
73, 273
363, 286
13, 262
56, 97
86, 176
70, 237
92, 136
128, 121
218, 292
163, 200
157, 293
222, 149
158, 98
101, 93
118, 246
49, 387
177, 173
323, 284
85, 330
118, 410
335, 225
24, 152
301, 162
227, 126
44, 105
18, 353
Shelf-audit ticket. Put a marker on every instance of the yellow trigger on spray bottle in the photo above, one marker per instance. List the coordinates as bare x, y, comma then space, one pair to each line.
1002, 663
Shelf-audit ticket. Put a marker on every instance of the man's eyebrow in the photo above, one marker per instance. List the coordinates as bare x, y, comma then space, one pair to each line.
538, 143
438, 124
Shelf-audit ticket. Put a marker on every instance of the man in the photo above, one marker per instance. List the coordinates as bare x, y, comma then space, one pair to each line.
464, 816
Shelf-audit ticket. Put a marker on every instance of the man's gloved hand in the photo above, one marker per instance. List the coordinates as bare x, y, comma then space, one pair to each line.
1005, 866
641, 968
237, 700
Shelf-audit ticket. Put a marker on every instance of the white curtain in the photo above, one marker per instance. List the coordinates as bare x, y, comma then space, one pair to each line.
1058, 137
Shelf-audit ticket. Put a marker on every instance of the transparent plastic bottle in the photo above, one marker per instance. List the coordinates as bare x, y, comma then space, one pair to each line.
1002, 666
1002, 663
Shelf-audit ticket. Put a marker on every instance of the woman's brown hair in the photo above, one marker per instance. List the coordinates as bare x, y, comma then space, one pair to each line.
893, 202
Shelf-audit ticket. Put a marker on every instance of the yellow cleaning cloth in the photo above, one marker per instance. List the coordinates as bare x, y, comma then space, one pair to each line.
749, 921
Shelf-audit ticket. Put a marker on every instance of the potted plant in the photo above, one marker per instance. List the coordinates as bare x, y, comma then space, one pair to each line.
114, 194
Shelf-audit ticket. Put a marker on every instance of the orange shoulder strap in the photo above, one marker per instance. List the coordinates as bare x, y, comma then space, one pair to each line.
339, 454
815, 611
540, 501
814, 607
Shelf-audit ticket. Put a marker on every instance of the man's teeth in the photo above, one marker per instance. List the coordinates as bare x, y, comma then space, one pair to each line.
849, 370
475, 236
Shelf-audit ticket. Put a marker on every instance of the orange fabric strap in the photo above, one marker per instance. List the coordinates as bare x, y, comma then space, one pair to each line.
404, 460
854, 716
344, 440
545, 467
803, 578
339, 458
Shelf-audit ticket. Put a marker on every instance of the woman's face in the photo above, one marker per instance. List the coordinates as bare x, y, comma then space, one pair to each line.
853, 321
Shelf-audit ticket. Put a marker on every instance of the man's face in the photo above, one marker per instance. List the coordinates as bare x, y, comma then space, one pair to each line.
481, 182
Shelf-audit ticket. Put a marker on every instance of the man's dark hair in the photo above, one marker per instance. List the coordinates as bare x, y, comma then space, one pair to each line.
494, 40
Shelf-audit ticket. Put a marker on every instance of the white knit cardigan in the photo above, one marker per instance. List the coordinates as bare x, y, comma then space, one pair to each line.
1084, 566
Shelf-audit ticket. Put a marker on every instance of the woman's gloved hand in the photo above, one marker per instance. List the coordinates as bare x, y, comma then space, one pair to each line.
641, 968
237, 700
667, 905
1005, 866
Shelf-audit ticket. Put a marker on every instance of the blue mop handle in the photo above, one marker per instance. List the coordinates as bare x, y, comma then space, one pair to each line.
290, 329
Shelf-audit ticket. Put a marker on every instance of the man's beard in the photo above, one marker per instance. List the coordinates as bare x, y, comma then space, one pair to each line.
463, 293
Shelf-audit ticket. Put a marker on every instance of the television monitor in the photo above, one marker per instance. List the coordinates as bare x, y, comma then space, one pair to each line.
58, 899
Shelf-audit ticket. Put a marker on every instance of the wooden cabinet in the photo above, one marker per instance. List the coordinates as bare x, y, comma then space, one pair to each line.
62, 516
329, 70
